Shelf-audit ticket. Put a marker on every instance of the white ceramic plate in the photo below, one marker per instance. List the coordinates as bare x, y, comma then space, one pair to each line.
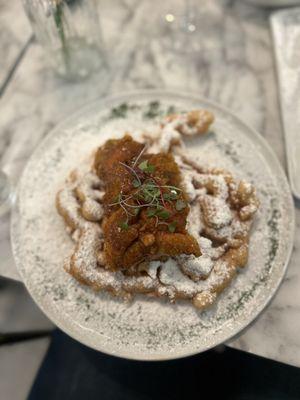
148, 329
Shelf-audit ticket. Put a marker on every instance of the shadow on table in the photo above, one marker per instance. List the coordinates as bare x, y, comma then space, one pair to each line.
73, 371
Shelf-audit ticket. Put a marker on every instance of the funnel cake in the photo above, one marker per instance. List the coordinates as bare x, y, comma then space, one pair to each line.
148, 219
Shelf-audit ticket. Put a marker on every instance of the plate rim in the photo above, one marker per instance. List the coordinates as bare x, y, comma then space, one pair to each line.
143, 93
271, 4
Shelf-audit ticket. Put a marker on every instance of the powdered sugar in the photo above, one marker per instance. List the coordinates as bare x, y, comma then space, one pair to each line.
170, 275
211, 197
196, 267
91, 195
216, 212
66, 199
87, 262
147, 328
163, 138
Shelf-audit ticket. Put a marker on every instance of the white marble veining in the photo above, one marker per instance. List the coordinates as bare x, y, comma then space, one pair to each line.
14, 33
234, 67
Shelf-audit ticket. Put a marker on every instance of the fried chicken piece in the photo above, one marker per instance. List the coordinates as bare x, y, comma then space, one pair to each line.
114, 151
108, 166
174, 244
140, 228
166, 169
127, 247
117, 240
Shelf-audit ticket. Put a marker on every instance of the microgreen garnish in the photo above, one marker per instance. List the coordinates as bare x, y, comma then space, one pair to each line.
173, 194
145, 167
164, 214
136, 183
180, 205
172, 227
128, 167
124, 226
139, 156
118, 198
151, 212
149, 191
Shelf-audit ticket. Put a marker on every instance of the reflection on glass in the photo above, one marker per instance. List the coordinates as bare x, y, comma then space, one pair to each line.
69, 32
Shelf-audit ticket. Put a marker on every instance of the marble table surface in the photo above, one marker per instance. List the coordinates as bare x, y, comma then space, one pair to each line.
13, 37
233, 66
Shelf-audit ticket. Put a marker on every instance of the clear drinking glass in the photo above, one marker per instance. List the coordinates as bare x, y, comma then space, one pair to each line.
69, 31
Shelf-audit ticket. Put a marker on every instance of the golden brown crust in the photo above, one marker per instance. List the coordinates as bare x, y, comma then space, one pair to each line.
125, 231
88, 262
195, 122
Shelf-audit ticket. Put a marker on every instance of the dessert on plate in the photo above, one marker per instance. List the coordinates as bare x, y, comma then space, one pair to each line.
148, 218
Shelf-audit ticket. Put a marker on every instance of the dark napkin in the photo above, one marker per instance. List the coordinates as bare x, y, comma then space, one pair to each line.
73, 371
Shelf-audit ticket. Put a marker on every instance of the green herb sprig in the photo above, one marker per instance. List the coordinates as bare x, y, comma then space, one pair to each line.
149, 193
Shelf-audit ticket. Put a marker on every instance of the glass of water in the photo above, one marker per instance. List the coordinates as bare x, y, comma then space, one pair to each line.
69, 32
